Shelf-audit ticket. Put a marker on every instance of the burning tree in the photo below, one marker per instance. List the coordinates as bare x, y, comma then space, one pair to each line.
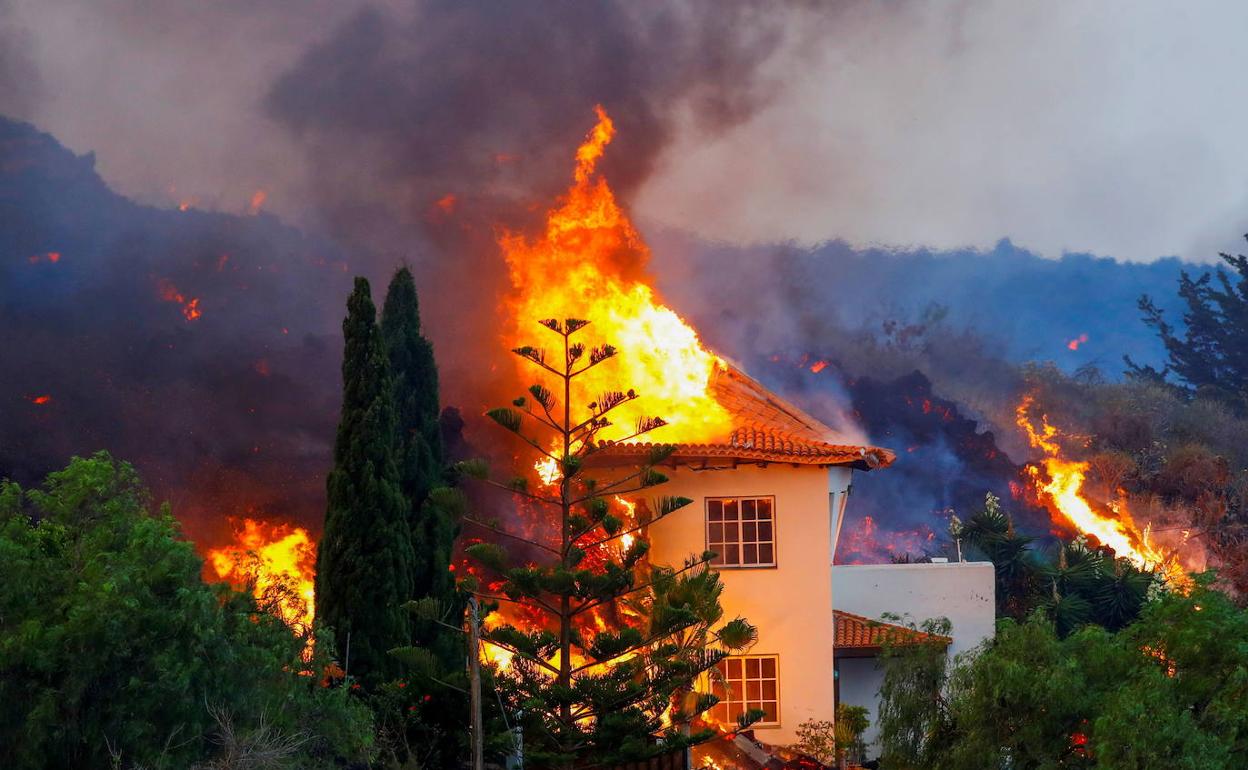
603, 653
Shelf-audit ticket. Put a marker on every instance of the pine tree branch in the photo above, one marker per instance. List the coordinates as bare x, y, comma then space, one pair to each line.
522, 492
522, 654
592, 603
548, 421
495, 598
505, 533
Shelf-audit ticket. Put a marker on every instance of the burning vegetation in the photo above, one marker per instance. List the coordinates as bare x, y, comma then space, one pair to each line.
275, 561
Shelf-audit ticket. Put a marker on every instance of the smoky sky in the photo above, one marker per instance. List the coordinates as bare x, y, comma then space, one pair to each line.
1109, 130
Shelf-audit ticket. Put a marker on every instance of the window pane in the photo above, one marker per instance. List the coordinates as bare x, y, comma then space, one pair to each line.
769, 689
764, 508
734, 668
715, 533
730, 509
764, 530
748, 509
752, 667
749, 554
772, 710
754, 691
732, 533
714, 510
768, 667
766, 554
732, 554
749, 532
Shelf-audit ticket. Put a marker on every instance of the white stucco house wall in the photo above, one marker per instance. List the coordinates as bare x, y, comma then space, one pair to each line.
769, 500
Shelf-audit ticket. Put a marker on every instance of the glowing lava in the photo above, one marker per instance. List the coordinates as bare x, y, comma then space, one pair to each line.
272, 559
590, 262
170, 293
1063, 490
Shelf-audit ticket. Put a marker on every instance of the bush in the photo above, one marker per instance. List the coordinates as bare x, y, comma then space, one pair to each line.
113, 652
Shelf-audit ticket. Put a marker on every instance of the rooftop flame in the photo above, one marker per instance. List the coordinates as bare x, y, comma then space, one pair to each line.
590, 263
1063, 491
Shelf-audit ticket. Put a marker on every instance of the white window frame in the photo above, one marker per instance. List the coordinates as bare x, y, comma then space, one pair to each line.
740, 541
745, 702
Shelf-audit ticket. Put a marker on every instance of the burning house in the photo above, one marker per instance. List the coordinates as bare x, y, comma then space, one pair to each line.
770, 483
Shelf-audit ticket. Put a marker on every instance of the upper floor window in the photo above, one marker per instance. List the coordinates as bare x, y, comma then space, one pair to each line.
741, 531
747, 682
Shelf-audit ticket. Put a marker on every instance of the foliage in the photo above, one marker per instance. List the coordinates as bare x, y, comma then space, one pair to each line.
434, 509
1080, 585
364, 560
1166, 691
415, 380
1211, 357
595, 693
912, 712
113, 652
831, 742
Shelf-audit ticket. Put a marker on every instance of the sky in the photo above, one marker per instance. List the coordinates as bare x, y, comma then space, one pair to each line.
1110, 128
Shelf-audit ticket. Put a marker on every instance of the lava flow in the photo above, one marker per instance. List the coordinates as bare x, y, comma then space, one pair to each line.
272, 558
590, 262
1062, 491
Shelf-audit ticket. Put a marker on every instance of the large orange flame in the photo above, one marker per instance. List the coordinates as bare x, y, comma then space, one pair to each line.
590, 262
269, 556
1063, 491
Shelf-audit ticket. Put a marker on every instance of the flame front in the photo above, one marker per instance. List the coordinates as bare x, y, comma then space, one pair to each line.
590, 262
1063, 490
268, 557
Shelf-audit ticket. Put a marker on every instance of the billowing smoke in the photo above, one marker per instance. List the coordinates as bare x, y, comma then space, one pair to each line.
205, 346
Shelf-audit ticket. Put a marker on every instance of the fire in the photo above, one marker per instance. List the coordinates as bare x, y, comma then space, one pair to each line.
590, 262
1064, 491
1076, 342
39, 400
268, 556
818, 366
52, 257
170, 293
257, 201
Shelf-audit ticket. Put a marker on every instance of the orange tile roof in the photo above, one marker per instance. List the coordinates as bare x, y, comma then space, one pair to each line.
856, 631
768, 429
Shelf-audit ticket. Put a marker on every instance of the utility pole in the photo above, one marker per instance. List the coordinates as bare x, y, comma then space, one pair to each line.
474, 673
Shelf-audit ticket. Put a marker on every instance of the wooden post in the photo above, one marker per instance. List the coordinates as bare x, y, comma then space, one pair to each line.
474, 672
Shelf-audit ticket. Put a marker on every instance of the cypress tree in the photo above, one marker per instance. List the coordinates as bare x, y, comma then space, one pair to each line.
415, 389
364, 560
419, 442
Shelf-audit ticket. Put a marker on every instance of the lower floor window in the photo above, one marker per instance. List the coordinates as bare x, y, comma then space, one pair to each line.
745, 683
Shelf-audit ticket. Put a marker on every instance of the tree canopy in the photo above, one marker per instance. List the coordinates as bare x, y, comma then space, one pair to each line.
1210, 354
364, 563
113, 652
1167, 691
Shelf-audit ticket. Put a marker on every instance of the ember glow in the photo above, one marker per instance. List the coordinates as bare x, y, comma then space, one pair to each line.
590, 262
170, 293
1060, 486
266, 557
257, 201
1076, 342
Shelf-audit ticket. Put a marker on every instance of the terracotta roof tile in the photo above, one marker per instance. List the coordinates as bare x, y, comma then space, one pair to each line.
856, 631
766, 428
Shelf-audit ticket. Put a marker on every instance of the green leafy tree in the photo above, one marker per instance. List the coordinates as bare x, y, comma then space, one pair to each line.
113, 652
1166, 691
596, 696
1080, 585
1211, 356
364, 561
913, 714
